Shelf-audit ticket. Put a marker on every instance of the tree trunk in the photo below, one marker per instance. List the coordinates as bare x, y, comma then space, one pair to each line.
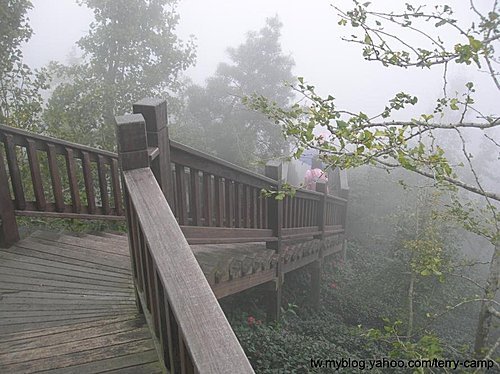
485, 317
410, 304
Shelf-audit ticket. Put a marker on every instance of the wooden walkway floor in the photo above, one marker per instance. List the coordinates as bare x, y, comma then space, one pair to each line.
67, 302
67, 306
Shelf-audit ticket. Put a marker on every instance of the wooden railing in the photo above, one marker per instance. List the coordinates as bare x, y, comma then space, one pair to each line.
218, 202
55, 178
222, 203
192, 332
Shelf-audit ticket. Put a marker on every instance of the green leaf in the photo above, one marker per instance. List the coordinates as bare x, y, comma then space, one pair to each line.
441, 23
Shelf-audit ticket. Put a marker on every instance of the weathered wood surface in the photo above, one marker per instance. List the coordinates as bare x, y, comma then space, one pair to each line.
67, 303
67, 306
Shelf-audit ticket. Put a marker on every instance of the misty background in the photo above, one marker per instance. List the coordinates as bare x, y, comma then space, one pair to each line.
310, 34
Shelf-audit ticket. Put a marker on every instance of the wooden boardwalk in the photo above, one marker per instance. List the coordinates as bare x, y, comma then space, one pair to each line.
200, 230
67, 306
67, 302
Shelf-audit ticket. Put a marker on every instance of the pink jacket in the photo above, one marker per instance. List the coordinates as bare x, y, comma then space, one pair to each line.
312, 176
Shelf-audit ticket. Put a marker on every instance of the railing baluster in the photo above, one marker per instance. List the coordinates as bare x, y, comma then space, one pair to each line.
36, 176
253, 206
207, 193
175, 342
246, 206
73, 182
132, 240
151, 275
237, 204
115, 181
162, 319
15, 174
143, 266
55, 178
181, 194
186, 363
219, 202
260, 210
286, 205
195, 203
229, 196
266, 213
103, 184
89, 184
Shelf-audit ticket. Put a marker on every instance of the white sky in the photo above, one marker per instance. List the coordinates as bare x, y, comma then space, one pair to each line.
310, 34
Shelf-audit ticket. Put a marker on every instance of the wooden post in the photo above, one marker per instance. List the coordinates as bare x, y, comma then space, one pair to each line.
316, 266
132, 154
155, 114
274, 170
9, 233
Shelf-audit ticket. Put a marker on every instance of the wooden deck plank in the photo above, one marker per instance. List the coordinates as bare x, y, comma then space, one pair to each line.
84, 242
25, 255
81, 357
137, 363
40, 272
61, 337
6, 286
12, 329
54, 317
21, 279
58, 254
151, 368
84, 344
88, 255
70, 328
32, 305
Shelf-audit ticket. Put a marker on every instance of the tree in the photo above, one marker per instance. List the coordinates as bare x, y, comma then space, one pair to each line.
357, 138
130, 52
216, 120
20, 99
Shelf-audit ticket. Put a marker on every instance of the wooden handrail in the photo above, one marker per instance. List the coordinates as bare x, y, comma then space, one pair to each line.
22, 135
188, 156
192, 332
211, 346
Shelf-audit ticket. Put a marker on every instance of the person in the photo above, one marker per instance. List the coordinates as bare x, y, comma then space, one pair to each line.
312, 176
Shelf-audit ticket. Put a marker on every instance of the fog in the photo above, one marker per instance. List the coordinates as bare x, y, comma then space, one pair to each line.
310, 35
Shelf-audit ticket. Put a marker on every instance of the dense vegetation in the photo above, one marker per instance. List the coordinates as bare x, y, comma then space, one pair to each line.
365, 298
